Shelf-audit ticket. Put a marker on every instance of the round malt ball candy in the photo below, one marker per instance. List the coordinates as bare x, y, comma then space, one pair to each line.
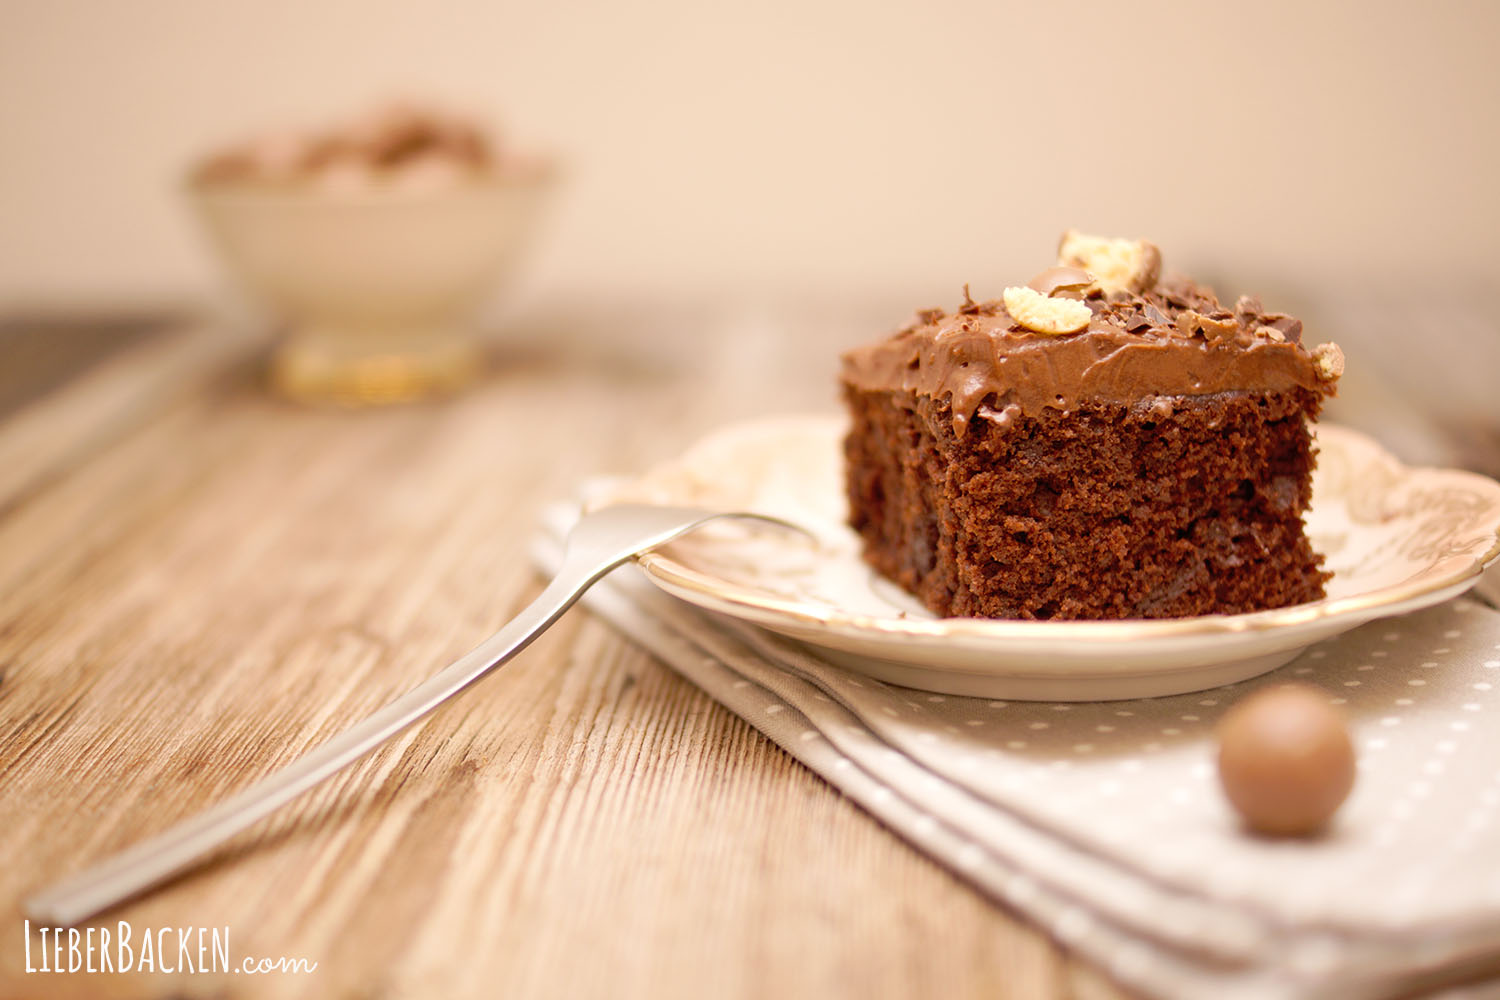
1285, 759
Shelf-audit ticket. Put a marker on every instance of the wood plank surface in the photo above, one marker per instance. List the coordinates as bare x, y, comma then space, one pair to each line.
232, 579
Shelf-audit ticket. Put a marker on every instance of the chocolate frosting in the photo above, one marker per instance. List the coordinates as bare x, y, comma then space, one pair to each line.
1175, 339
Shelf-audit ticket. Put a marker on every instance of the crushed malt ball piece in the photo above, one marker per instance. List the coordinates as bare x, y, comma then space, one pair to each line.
1216, 328
1329, 359
1056, 279
1117, 265
1188, 323
1270, 333
1041, 314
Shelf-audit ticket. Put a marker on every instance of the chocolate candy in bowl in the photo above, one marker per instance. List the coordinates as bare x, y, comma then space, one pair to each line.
376, 242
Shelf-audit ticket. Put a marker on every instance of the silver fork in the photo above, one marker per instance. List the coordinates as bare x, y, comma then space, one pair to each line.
598, 543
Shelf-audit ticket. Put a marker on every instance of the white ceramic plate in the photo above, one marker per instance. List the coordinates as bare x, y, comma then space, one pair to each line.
1396, 538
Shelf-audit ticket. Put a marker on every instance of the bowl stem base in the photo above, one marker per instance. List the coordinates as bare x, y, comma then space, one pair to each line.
366, 368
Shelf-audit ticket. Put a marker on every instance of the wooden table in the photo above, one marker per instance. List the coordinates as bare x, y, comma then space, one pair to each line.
198, 582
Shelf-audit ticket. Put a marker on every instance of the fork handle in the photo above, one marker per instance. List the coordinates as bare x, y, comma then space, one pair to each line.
142, 866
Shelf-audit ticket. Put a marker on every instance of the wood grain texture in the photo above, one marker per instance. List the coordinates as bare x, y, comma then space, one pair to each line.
233, 579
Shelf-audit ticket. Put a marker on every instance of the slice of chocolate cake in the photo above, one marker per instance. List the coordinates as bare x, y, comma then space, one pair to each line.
1098, 444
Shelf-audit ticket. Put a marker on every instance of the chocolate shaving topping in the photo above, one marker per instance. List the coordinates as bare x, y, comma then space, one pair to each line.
1290, 328
1176, 290
970, 306
1174, 339
1155, 316
968, 360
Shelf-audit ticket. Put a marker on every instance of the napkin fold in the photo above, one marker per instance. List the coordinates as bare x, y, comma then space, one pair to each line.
1103, 822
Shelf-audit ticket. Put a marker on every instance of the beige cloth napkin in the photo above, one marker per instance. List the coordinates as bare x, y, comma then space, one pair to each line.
1104, 824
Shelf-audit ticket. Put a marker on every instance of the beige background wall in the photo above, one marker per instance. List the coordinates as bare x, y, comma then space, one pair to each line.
846, 145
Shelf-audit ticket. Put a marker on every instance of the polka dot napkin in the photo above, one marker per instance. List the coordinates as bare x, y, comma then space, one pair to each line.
1104, 822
